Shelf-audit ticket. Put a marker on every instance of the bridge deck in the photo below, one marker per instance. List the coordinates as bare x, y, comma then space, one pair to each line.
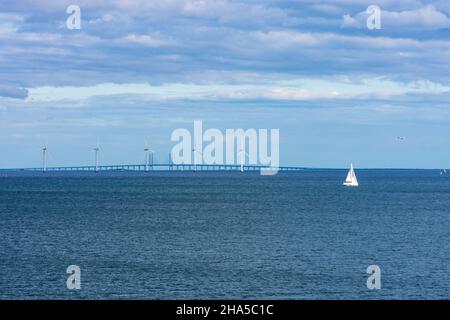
160, 167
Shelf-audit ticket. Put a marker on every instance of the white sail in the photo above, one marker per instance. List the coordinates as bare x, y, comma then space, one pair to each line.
351, 180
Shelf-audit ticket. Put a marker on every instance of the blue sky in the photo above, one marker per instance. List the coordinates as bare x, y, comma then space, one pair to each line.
137, 70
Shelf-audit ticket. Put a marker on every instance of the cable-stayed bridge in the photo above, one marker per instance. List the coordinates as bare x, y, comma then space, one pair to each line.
158, 167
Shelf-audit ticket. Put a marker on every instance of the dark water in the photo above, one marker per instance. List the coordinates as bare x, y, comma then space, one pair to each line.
176, 236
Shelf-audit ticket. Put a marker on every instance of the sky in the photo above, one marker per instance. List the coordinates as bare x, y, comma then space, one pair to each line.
338, 91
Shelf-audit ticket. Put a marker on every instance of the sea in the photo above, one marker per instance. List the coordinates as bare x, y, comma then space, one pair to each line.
219, 235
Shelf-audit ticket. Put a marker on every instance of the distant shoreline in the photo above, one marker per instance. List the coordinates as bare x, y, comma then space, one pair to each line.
50, 172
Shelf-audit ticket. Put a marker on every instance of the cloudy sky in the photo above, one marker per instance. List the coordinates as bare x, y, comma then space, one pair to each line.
138, 69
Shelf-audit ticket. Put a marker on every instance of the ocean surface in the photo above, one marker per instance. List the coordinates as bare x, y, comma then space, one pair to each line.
225, 235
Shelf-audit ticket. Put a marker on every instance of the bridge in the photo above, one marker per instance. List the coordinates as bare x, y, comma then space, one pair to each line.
158, 167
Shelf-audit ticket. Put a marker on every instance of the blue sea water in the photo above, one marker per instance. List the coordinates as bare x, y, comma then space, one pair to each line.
225, 235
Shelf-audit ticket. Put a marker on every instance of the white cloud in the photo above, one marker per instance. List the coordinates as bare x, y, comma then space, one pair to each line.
304, 89
285, 39
349, 22
233, 11
148, 40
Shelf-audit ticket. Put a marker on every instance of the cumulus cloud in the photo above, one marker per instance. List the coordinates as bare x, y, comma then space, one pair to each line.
193, 41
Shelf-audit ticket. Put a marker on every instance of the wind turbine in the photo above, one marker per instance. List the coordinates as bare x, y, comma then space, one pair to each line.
147, 152
44, 158
147, 160
242, 155
97, 150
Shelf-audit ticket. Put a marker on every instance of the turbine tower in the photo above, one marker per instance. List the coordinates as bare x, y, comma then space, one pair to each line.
151, 158
148, 162
44, 159
96, 149
146, 158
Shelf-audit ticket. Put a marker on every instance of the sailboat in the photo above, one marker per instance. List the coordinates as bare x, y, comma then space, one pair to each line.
351, 180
